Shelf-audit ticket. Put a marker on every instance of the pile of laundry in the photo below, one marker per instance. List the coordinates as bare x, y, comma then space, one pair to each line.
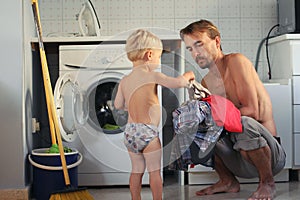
198, 124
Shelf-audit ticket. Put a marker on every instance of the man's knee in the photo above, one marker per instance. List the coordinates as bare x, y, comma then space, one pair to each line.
251, 137
250, 125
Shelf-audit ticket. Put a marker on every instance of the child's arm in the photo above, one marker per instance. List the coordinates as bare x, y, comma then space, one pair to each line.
174, 82
189, 75
119, 100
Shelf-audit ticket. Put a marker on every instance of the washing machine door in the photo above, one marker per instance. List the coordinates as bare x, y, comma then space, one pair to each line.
71, 106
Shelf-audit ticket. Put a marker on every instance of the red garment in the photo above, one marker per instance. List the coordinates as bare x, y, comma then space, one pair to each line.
225, 113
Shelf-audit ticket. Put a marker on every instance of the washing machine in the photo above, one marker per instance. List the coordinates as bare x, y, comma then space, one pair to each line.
84, 94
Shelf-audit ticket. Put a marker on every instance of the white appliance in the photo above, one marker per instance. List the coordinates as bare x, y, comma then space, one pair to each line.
88, 21
87, 83
285, 63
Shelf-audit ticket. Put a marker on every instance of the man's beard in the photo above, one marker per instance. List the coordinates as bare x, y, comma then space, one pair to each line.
202, 62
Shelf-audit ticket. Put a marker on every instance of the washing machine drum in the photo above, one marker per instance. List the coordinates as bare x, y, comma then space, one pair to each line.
110, 120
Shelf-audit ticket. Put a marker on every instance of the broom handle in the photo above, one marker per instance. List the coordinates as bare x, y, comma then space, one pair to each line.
45, 71
49, 94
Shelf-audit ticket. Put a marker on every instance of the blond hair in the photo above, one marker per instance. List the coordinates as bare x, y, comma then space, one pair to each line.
201, 26
139, 42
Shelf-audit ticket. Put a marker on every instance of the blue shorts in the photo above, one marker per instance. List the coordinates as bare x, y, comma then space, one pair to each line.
138, 135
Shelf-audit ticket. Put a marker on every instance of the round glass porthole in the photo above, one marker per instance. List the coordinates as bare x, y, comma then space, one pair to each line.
110, 120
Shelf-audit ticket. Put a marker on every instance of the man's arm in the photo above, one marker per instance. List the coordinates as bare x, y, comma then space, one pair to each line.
241, 70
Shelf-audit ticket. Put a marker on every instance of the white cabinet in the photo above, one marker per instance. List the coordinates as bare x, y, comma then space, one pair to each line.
297, 149
281, 97
297, 119
296, 89
295, 47
285, 63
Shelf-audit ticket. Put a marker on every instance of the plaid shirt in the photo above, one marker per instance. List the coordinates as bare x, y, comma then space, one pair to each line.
192, 122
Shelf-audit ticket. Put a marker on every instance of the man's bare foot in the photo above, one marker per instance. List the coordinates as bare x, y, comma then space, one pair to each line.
265, 191
220, 187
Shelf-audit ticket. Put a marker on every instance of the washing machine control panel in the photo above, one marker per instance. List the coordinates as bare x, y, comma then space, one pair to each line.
93, 57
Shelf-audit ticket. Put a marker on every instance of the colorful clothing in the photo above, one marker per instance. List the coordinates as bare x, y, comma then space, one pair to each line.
192, 122
225, 113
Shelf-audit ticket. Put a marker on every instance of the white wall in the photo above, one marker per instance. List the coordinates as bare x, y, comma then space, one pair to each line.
11, 145
243, 24
15, 79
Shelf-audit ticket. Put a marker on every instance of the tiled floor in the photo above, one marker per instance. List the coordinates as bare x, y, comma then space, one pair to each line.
173, 191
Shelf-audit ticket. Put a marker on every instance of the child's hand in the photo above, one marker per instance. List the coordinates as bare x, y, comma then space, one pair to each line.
189, 75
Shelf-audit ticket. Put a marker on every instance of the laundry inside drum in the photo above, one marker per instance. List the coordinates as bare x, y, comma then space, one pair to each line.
111, 121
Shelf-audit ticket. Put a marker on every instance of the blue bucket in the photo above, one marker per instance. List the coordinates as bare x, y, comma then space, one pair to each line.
48, 174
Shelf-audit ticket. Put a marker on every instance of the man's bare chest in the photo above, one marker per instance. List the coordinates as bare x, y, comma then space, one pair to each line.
225, 88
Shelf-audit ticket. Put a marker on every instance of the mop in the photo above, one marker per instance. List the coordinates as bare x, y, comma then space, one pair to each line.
70, 192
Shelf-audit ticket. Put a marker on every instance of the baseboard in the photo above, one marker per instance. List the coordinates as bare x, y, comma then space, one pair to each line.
16, 194
211, 177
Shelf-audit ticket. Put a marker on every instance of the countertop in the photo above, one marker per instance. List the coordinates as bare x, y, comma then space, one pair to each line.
120, 37
280, 38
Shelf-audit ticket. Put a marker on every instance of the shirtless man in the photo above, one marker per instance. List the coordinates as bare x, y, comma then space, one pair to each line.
234, 77
137, 93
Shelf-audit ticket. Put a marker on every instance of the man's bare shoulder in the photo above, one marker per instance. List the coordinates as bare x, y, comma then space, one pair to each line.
237, 60
235, 57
